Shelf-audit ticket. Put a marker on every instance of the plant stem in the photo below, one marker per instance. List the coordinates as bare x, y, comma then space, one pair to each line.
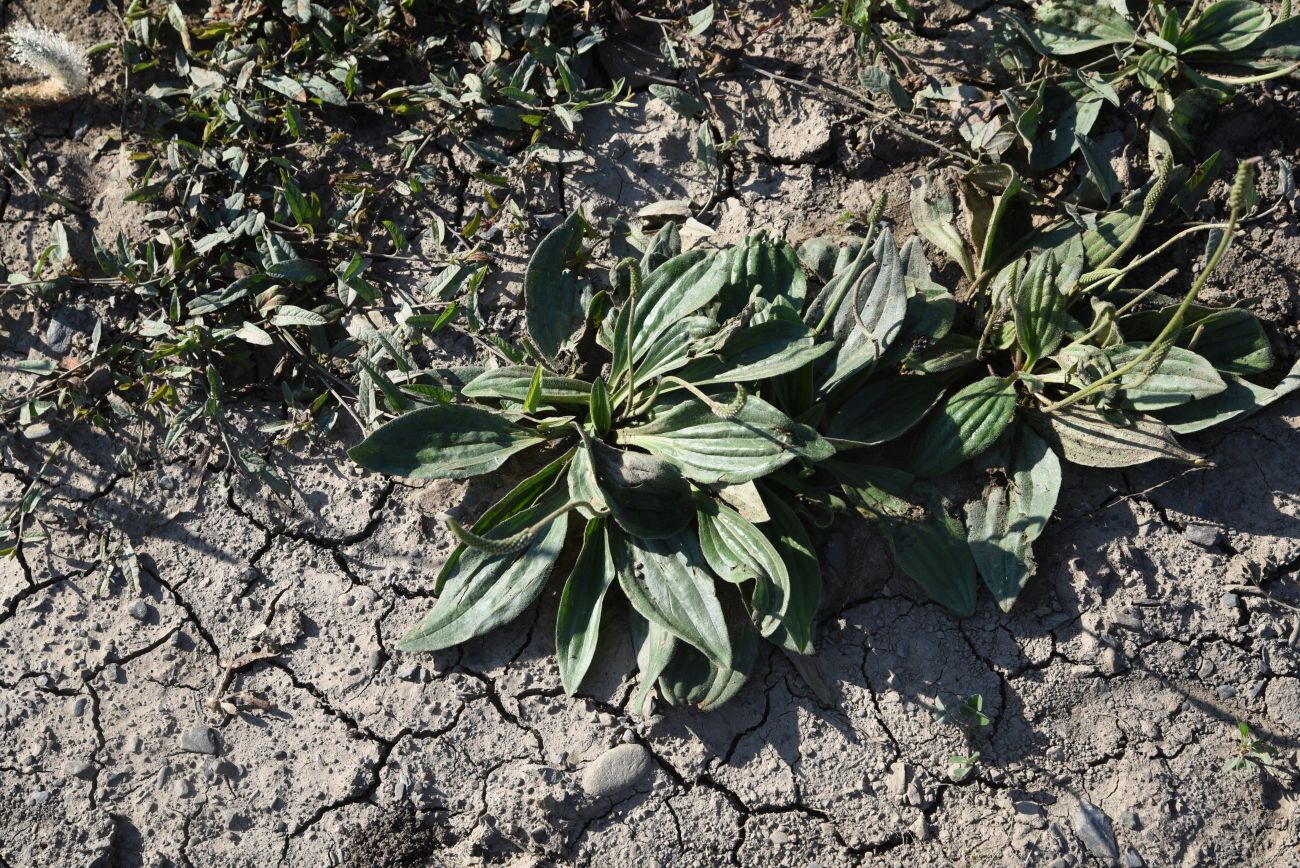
1170, 332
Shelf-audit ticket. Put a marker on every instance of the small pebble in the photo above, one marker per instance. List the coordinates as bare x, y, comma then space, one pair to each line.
1227, 691
199, 739
138, 610
1202, 534
79, 769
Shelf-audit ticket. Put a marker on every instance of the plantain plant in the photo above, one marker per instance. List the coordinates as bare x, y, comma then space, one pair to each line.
701, 419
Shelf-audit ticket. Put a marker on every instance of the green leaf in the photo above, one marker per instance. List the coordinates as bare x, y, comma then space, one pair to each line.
868, 319
1099, 168
1039, 309
738, 552
450, 441
577, 624
655, 649
1087, 437
1002, 526
519, 498
758, 352
514, 382
1231, 339
1061, 111
678, 100
787, 534
598, 406
1240, 398
297, 271
884, 410
647, 496
486, 590
931, 549
710, 449
761, 269
554, 294
290, 315
690, 678
1068, 27
1229, 25
969, 422
878, 80
1182, 376
667, 583
674, 291
934, 217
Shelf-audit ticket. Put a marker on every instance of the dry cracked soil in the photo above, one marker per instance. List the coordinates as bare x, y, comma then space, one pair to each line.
1164, 611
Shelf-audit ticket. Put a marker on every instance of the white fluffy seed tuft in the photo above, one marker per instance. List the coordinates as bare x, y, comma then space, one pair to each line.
49, 53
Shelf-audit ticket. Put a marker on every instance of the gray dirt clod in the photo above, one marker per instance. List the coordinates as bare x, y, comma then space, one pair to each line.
618, 769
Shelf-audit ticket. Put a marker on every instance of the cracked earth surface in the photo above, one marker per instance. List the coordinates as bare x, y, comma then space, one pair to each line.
1165, 610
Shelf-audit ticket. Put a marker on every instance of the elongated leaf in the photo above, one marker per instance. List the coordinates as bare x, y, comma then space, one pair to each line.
1085, 436
297, 271
933, 213
674, 291
1241, 398
450, 441
1039, 309
666, 581
739, 552
1228, 25
673, 348
787, 534
1231, 339
1099, 168
757, 352
967, 424
519, 498
555, 295
869, 319
678, 100
708, 448
932, 551
486, 590
1068, 27
512, 383
577, 624
1183, 376
655, 649
884, 410
1002, 526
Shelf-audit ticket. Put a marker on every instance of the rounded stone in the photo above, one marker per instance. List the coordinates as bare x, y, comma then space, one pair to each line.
618, 769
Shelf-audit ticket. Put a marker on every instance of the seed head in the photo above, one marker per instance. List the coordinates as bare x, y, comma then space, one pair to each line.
63, 64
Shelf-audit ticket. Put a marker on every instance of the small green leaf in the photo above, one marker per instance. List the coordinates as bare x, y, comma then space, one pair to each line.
1182, 376
577, 624
739, 552
1003, 525
933, 213
678, 100
533, 399
1068, 27
667, 583
598, 406
969, 422
450, 441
